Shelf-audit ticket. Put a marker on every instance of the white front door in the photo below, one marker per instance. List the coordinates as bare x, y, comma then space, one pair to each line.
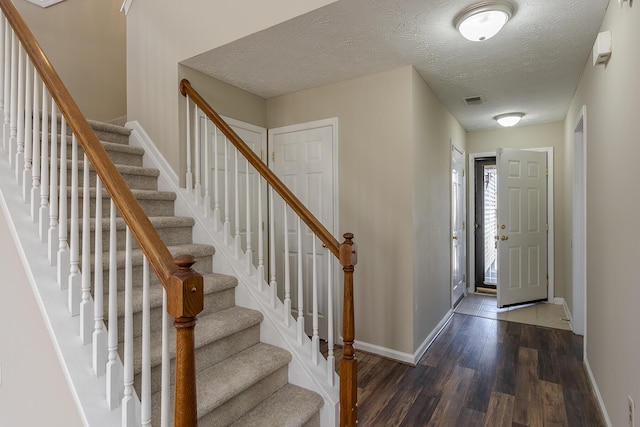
458, 232
522, 226
302, 156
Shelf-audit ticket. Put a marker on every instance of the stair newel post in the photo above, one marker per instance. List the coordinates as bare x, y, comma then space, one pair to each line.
348, 364
185, 299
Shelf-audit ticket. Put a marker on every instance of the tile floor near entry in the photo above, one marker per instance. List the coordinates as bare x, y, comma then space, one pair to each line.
541, 314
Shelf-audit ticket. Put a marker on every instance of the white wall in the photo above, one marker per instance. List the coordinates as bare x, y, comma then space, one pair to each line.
611, 94
85, 42
33, 389
535, 136
433, 128
162, 33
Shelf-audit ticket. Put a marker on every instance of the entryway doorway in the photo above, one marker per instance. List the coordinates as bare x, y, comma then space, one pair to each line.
525, 229
485, 225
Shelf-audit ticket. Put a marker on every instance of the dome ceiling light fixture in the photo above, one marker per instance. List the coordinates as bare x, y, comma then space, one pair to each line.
508, 119
483, 20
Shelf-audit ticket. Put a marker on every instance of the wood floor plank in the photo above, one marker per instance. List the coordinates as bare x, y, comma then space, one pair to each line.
554, 409
470, 418
453, 397
500, 410
527, 407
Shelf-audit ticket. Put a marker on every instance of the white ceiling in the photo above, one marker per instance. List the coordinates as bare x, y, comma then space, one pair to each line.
533, 65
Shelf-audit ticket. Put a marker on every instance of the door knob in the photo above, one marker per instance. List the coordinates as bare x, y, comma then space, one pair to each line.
504, 238
455, 237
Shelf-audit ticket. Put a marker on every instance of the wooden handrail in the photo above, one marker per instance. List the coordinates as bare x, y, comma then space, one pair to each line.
183, 285
296, 205
345, 252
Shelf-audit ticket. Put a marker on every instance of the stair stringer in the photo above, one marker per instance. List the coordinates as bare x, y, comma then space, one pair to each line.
302, 372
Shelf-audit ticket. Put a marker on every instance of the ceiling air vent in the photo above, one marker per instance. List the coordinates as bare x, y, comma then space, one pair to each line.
474, 100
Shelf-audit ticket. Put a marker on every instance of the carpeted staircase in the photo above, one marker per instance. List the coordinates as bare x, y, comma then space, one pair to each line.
240, 381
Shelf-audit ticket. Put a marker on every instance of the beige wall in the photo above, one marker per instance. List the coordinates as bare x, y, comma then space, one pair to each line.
433, 128
545, 135
162, 33
85, 42
611, 96
375, 192
32, 377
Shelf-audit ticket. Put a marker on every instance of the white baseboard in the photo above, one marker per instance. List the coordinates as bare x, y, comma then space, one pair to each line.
596, 390
400, 356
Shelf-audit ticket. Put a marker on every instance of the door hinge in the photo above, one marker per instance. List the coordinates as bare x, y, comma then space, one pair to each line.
273, 156
464, 278
463, 173
261, 155
547, 227
547, 171
463, 225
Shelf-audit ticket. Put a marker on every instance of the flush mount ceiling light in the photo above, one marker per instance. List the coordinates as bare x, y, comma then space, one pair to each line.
483, 20
508, 119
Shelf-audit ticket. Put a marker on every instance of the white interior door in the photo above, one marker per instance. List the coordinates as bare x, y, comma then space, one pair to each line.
302, 156
522, 226
458, 233
223, 166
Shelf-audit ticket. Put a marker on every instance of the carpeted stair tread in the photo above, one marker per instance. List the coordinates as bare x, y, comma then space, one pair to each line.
227, 379
209, 328
213, 283
158, 222
138, 194
109, 127
291, 406
123, 169
195, 249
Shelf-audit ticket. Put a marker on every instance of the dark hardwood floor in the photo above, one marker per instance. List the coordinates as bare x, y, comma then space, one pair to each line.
481, 372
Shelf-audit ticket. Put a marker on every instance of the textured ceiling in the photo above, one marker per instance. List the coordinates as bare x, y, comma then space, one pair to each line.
533, 65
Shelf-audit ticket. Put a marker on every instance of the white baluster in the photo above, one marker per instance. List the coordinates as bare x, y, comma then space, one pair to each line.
75, 281
35, 173
315, 337
260, 236
207, 173
44, 168
216, 172
197, 142
114, 371
146, 347
300, 319
28, 132
331, 359
165, 390
53, 189
86, 307
189, 176
128, 404
6, 128
248, 253
99, 334
13, 124
63, 245
287, 273
237, 240
273, 284
227, 224
20, 119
